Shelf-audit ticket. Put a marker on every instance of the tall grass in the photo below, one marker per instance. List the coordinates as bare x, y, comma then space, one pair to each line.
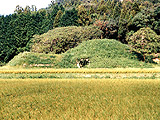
79, 99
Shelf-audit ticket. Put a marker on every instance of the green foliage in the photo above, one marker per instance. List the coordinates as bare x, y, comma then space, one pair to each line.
61, 39
128, 11
20, 28
69, 18
127, 17
17, 29
142, 19
57, 18
91, 10
153, 1
116, 11
157, 18
53, 11
145, 41
109, 28
30, 59
103, 53
135, 7
122, 24
102, 8
84, 18
147, 17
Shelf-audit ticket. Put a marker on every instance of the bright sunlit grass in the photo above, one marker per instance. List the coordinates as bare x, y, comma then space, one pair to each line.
79, 99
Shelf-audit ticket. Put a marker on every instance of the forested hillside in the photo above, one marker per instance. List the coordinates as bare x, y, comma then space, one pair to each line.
132, 22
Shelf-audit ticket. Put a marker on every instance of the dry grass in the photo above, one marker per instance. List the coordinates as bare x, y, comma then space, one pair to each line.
84, 70
114, 99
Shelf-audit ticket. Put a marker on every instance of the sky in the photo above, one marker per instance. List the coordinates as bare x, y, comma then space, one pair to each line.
8, 6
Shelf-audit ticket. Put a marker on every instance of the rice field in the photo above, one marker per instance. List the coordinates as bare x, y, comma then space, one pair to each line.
83, 70
78, 99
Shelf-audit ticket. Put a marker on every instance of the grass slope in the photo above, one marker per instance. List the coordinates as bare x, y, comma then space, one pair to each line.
31, 59
103, 53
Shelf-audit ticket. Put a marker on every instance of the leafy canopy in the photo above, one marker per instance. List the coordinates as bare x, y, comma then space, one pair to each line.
145, 41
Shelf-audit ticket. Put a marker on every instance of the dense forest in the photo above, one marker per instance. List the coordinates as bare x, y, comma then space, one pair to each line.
125, 21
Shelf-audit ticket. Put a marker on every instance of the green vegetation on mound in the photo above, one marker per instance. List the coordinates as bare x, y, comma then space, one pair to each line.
61, 39
146, 42
102, 53
30, 59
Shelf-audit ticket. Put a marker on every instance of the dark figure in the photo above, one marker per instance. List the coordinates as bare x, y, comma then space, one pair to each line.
83, 62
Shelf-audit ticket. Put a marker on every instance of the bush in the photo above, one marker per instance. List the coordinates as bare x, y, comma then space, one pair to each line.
109, 28
61, 39
145, 41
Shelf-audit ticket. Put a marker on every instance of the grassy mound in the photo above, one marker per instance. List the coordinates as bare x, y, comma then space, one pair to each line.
102, 53
30, 59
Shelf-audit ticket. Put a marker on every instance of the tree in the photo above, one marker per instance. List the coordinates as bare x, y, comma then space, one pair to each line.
147, 17
18, 9
69, 18
145, 41
128, 12
135, 7
157, 18
7, 47
17, 29
102, 7
109, 28
27, 10
34, 8
91, 10
57, 18
61, 39
44, 23
122, 25
53, 12
116, 11
109, 7
84, 18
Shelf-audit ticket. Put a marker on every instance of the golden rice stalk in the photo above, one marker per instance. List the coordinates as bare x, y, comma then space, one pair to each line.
74, 70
